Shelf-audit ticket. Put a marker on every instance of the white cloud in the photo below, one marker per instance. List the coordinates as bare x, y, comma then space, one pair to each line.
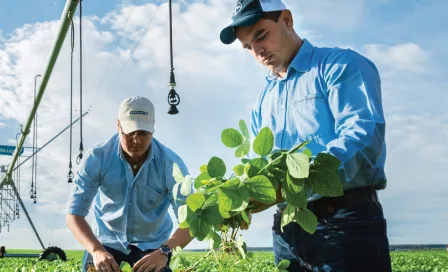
415, 170
3, 125
405, 57
341, 16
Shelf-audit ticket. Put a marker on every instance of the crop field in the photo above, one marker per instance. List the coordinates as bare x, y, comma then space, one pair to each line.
409, 261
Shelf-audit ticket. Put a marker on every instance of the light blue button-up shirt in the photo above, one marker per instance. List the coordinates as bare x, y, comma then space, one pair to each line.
332, 97
127, 209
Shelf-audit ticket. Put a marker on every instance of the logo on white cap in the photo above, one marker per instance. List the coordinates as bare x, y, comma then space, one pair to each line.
136, 113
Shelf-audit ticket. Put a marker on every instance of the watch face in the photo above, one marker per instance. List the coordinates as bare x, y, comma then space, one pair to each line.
165, 249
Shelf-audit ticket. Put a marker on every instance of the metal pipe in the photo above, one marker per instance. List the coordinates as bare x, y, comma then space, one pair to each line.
51, 140
26, 213
70, 8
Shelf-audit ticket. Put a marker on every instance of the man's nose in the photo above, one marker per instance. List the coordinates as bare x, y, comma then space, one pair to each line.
136, 139
259, 50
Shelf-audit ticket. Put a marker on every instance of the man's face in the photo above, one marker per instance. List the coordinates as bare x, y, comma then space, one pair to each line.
136, 143
268, 42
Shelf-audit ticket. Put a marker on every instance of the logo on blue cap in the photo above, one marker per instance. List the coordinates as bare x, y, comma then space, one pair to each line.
237, 8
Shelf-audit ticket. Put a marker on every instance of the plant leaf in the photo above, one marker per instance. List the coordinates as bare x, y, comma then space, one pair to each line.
274, 181
233, 199
259, 162
245, 216
328, 161
203, 168
211, 215
175, 190
195, 201
307, 152
307, 220
185, 188
243, 128
239, 169
278, 173
245, 160
216, 167
325, 182
231, 137
177, 173
211, 200
199, 227
278, 159
299, 200
283, 264
251, 170
184, 225
264, 142
215, 240
295, 185
299, 146
243, 149
200, 178
298, 165
261, 189
182, 213
288, 215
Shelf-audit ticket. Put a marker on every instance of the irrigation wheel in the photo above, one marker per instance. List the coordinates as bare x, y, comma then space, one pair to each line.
53, 254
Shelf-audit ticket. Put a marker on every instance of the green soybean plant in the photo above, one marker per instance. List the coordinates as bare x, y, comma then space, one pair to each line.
221, 204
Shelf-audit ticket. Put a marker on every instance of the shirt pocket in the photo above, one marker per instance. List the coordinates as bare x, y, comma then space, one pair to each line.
149, 198
311, 103
310, 116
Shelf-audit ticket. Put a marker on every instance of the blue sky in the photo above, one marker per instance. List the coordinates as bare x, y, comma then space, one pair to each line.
405, 39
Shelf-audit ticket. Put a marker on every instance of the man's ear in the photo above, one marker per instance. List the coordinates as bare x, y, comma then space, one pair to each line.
287, 19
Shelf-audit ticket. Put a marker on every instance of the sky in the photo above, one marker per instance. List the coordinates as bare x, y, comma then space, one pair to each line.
126, 53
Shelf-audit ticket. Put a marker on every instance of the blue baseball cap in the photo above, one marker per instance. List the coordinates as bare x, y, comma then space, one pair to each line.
247, 13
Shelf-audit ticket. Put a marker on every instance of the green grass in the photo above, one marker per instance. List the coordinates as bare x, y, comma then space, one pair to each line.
403, 261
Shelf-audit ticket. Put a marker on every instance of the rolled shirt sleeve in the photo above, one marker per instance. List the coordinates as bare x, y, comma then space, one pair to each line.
85, 185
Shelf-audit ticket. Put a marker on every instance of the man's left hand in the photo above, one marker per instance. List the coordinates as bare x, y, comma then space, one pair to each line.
154, 261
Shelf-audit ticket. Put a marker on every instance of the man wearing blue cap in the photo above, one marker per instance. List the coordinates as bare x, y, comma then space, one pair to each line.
332, 97
130, 179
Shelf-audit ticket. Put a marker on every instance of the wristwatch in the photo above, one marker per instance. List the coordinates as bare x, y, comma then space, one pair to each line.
166, 250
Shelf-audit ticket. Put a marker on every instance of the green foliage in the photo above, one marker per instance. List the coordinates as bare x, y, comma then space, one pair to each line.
402, 261
221, 204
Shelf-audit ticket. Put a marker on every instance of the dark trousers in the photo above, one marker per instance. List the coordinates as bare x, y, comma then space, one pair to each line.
133, 257
348, 239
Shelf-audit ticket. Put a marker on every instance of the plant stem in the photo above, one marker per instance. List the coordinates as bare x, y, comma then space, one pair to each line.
269, 164
234, 232
214, 253
196, 263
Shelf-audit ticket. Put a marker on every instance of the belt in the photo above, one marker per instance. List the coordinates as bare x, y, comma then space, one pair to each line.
352, 197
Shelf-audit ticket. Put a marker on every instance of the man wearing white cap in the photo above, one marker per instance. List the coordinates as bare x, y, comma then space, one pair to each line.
331, 97
129, 178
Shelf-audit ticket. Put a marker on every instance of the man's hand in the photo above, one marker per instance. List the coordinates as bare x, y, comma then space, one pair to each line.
154, 261
104, 261
256, 207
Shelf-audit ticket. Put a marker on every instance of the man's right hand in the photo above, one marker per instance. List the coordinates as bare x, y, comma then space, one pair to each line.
104, 261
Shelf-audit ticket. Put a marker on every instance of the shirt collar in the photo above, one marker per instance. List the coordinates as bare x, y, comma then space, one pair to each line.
300, 63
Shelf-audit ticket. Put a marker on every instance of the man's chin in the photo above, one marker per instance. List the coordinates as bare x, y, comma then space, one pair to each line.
136, 154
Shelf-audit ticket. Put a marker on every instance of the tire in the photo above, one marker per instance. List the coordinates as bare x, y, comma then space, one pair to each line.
52, 254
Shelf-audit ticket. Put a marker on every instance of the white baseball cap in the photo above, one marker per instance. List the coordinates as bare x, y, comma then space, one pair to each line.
136, 113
